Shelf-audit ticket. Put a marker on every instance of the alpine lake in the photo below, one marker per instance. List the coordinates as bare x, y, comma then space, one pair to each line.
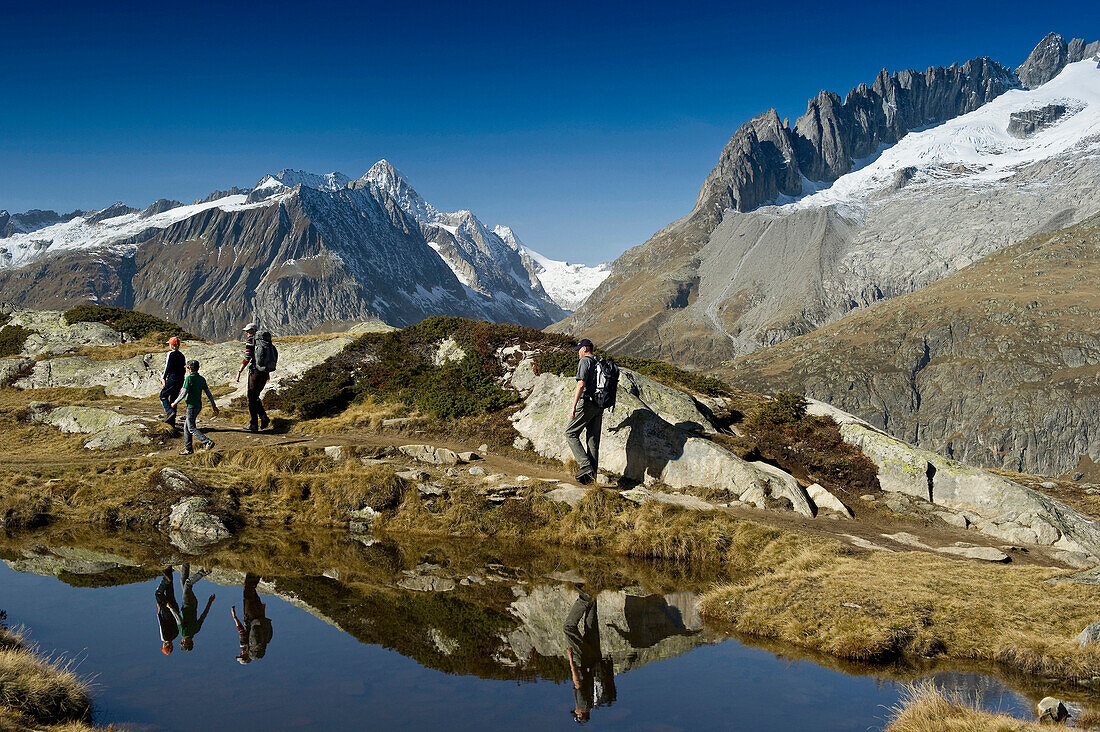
343, 631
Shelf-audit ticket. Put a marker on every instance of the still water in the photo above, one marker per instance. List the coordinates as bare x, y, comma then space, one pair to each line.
337, 633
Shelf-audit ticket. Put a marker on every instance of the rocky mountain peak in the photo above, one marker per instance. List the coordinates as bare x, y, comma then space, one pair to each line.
1052, 54
329, 182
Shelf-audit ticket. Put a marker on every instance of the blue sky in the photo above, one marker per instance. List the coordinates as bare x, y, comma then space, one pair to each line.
584, 126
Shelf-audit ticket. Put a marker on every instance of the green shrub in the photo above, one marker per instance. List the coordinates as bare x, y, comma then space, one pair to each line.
786, 408
137, 324
12, 338
564, 363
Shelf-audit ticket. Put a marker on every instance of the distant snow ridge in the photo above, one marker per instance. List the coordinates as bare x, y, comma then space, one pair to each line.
569, 284
502, 273
979, 148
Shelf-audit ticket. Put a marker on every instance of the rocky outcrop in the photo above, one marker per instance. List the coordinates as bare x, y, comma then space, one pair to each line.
139, 376
1051, 56
644, 447
1028, 122
109, 429
993, 505
192, 526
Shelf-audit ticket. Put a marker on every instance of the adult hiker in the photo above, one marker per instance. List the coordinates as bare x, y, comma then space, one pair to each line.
171, 380
255, 632
168, 612
259, 366
593, 676
585, 415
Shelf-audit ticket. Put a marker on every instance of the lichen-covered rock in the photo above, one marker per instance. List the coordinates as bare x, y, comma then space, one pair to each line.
87, 420
131, 433
643, 495
569, 494
175, 479
139, 376
640, 445
430, 454
12, 367
191, 525
995, 506
53, 336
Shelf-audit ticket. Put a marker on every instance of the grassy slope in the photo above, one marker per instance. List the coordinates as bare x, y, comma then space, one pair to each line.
955, 363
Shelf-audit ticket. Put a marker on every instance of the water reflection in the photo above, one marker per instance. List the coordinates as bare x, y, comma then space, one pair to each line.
593, 675
255, 632
474, 611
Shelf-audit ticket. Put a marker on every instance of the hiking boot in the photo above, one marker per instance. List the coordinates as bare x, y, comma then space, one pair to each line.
264, 423
187, 451
251, 428
209, 445
583, 478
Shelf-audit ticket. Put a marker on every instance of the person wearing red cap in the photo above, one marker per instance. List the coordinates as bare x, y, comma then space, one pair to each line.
172, 379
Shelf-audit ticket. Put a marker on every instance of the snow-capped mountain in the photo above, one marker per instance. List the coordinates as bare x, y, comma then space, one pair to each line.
569, 284
902, 183
297, 251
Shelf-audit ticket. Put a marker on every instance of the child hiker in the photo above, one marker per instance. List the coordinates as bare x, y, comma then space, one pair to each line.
193, 388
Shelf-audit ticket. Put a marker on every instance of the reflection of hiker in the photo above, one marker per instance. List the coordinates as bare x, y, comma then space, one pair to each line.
585, 415
168, 615
260, 358
255, 632
593, 676
172, 380
190, 620
194, 386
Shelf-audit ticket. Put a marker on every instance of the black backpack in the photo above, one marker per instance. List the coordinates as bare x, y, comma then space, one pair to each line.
266, 356
607, 383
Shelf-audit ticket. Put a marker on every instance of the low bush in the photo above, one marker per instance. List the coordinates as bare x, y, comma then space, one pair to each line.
12, 338
136, 324
563, 362
400, 366
786, 408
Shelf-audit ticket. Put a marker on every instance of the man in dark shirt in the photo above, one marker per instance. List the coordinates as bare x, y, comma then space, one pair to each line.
582, 634
585, 416
172, 379
257, 380
255, 632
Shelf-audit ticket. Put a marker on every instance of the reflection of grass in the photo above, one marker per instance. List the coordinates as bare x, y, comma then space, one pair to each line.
878, 606
926, 708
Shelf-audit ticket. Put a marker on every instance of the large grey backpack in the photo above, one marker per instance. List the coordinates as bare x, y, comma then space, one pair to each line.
266, 356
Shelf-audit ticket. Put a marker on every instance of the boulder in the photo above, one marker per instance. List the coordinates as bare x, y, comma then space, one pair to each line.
1090, 635
430, 454
566, 493
414, 476
174, 479
12, 367
995, 506
87, 420
448, 351
114, 437
477, 471
337, 452
521, 443
823, 499
1052, 710
468, 457
191, 525
643, 447
53, 336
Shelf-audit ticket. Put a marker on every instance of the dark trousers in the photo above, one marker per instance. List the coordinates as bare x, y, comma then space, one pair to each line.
168, 395
589, 420
257, 380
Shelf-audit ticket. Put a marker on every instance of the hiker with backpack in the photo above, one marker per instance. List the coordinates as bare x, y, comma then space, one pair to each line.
597, 382
260, 358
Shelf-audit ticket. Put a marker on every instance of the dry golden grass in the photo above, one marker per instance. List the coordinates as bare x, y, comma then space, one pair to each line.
43, 691
362, 416
874, 607
926, 708
130, 349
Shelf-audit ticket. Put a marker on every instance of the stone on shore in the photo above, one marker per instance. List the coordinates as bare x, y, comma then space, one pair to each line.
1052, 710
566, 493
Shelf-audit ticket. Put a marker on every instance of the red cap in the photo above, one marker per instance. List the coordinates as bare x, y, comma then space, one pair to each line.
174, 342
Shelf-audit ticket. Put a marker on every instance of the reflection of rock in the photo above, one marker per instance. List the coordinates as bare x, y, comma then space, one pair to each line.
191, 527
634, 630
426, 583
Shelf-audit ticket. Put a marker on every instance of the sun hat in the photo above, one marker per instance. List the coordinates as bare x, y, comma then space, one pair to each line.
250, 326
